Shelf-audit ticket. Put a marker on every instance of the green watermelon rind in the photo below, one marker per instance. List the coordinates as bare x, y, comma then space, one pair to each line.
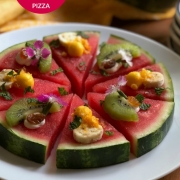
150, 57
103, 155
149, 138
167, 82
19, 144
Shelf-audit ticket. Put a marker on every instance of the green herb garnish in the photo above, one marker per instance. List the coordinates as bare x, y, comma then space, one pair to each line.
122, 94
143, 106
62, 91
4, 93
159, 90
82, 34
29, 44
104, 73
75, 123
109, 133
46, 108
28, 89
55, 43
54, 72
81, 66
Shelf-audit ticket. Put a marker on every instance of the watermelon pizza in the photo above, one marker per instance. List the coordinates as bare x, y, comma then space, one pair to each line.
99, 105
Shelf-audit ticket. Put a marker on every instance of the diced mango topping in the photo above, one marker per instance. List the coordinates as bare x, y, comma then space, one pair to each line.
87, 117
134, 80
75, 45
24, 80
133, 101
10, 78
144, 77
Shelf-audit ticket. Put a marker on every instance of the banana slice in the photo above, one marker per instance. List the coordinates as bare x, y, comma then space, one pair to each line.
156, 79
3, 75
65, 38
87, 135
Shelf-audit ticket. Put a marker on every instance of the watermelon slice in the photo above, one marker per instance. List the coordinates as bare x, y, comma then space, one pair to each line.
36, 144
109, 150
149, 131
76, 68
95, 75
167, 94
7, 61
40, 87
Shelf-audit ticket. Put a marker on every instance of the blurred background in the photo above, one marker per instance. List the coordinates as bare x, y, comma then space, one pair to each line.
151, 18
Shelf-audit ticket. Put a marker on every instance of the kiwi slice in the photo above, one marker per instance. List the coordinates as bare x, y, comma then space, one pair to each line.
119, 108
45, 64
20, 109
55, 107
111, 49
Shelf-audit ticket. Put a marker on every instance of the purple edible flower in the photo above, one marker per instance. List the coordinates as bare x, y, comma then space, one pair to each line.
43, 98
37, 51
114, 88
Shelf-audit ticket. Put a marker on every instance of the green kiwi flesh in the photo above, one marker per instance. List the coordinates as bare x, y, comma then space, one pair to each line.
45, 64
108, 50
119, 108
20, 109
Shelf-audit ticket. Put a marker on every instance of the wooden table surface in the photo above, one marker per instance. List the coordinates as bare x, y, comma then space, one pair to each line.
159, 31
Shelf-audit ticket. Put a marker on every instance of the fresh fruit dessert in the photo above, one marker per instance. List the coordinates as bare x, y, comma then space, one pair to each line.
88, 141
144, 122
116, 57
75, 53
152, 82
29, 128
36, 57
17, 84
131, 108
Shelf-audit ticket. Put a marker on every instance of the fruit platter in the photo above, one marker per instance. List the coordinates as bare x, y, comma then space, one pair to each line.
80, 100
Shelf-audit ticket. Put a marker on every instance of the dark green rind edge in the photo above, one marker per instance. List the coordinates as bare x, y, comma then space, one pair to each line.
168, 81
54, 36
142, 50
22, 147
149, 142
92, 158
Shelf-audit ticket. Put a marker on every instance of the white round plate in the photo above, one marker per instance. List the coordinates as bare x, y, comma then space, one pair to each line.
153, 165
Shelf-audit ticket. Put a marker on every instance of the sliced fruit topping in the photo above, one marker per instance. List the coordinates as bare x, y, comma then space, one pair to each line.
113, 56
7, 77
75, 44
146, 78
36, 53
24, 79
119, 108
33, 110
86, 127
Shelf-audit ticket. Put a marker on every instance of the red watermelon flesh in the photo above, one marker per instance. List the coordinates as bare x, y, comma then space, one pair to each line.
48, 133
7, 61
149, 120
67, 135
40, 87
72, 65
166, 95
95, 76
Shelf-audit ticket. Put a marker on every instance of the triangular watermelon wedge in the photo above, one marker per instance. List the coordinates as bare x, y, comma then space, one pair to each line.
76, 68
35, 145
149, 131
111, 149
7, 61
95, 76
167, 91
40, 87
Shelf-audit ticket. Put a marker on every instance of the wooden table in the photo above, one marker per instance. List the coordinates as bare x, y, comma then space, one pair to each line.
159, 31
